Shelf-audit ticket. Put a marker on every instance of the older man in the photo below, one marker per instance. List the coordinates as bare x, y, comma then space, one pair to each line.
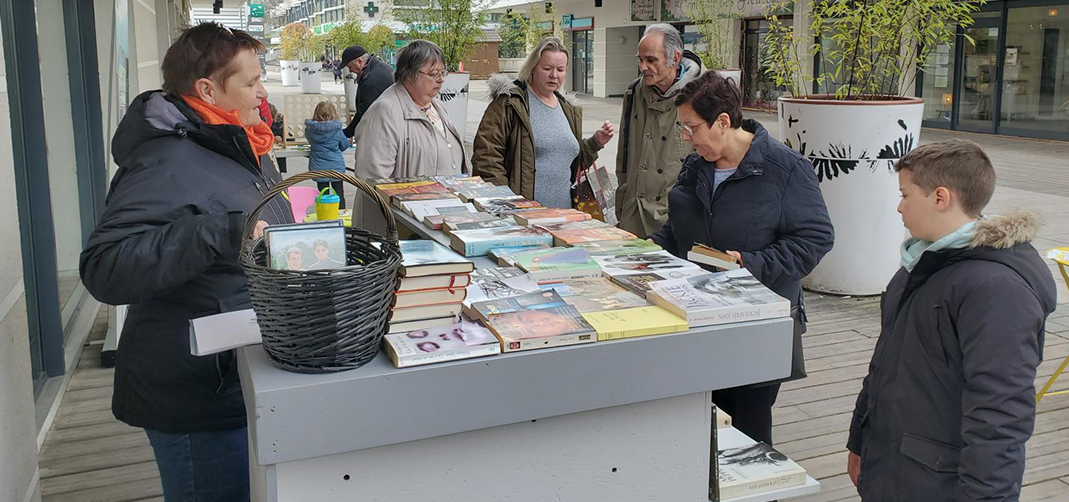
372, 77
651, 151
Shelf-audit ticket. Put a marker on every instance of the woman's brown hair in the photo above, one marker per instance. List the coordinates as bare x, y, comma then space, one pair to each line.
204, 51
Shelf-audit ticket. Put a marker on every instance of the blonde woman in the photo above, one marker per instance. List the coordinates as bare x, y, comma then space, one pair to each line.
327, 141
530, 137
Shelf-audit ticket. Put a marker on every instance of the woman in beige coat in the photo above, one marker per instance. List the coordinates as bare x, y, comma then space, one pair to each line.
406, 131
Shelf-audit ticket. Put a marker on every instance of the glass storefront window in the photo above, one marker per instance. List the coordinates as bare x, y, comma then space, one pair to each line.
1035, 74
758, 89
938, 84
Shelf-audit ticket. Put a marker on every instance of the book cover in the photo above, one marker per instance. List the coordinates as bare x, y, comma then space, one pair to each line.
701, 253
541, 328
405, 299
504, 255
452, 181
478, 242
438, 281
406, 326
557, 264
626, 264
484, 192
399, 315
550, 216
435, 221
463, 340
420, 209
399, 200
314, 247
616, 248
473, 221
575, 236
427, 257
418, 188
635, 322
596, 295
497, 283
719, 298
755, 469
640, 283
505, 205
574, 225
486, 310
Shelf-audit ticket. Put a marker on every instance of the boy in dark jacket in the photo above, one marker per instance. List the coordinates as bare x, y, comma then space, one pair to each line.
949, 401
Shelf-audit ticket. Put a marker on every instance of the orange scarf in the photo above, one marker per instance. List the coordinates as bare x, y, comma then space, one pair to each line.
260, 137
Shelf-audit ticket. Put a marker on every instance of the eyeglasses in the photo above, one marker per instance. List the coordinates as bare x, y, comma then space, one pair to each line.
690, 129
437, 76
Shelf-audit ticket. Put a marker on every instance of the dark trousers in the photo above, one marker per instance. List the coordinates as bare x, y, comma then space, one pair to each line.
750, 409
210, 466
339, 186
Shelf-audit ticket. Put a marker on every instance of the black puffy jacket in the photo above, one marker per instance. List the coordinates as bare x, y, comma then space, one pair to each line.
949, 401
168, 246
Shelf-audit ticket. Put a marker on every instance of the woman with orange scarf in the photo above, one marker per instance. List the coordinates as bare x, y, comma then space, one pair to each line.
193, 161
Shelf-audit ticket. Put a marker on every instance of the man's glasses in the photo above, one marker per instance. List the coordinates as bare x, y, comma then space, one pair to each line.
438, 76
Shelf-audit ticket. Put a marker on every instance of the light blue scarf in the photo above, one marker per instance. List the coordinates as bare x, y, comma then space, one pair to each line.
912, 248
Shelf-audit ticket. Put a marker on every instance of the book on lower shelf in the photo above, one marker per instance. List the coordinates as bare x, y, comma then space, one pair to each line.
406, 326
719, 298
479, 242
755, 469
453, 342
634, 322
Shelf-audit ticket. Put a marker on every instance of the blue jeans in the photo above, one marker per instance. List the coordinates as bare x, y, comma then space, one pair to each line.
210, 466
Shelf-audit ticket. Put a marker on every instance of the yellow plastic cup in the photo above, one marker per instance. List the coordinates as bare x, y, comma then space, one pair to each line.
327, 205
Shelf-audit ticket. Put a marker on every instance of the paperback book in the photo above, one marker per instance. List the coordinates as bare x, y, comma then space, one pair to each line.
421, 187
719, 298
504, 255
557, 264
616, 248
640, 283
435, 221
438, 281
497, 283
478, 242
406, 326
635, 322
421, 209
474, 221
398, 315
398, 201
535, 300
701, 253
574, 225
463, 340
535, 327
426, 257
404, 299
755, 469
627, 264
505, 205
576, 236
549, 216
596, 295
485, 192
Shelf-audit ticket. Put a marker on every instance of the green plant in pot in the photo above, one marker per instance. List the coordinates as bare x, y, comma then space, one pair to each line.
294, 36
864, 56
717, 23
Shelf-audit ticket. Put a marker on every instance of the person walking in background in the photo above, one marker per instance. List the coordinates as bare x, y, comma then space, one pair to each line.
949, 400
530, 137
406, 132
372, 77
337, 66
193, 163
758, 200
326, 142
651, 151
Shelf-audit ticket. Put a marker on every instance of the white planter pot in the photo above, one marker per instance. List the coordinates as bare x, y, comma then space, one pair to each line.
731, 74
290, 72
349, 80
311, 83
454, 97
853, 146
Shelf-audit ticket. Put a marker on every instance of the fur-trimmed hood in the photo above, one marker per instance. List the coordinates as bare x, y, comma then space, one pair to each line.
499, 84
1007, 230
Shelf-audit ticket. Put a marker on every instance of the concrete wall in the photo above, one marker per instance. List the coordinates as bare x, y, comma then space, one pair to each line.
18, 433
615, 66
146, 41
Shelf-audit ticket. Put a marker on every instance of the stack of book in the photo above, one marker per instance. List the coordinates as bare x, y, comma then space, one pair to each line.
755, 469
478, 242
549, 216
432, 288
535, 320
556, 264
505, 205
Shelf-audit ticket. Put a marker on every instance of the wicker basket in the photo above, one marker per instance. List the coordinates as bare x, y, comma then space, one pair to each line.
321, 321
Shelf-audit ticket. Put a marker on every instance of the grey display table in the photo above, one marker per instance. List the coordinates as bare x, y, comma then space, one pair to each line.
625, 420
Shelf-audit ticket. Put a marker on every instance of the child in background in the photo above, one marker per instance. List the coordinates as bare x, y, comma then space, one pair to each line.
327, 141
277, 131
949, 400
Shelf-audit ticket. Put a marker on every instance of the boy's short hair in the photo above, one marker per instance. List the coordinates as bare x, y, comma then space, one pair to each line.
957, 164
325, 112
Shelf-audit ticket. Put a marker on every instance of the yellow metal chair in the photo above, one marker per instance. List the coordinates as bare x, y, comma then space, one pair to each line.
1061, 257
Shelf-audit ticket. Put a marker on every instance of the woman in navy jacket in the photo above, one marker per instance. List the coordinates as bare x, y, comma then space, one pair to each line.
753, 197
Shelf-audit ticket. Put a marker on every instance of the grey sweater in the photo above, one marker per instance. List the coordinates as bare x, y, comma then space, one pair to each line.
555, 149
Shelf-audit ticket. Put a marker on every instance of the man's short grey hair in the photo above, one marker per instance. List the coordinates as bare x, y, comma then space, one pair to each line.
413, 57
672, 41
